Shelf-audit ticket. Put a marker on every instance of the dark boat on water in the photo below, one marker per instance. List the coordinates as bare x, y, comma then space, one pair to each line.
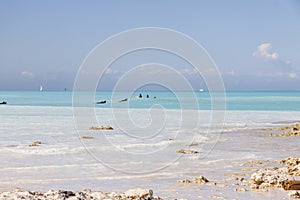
101, 102
3, 102
123, 100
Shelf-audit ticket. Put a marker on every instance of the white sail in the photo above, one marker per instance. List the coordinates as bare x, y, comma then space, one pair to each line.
41, 88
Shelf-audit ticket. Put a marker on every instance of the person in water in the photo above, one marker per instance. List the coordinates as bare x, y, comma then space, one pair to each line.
140, 96
147, 96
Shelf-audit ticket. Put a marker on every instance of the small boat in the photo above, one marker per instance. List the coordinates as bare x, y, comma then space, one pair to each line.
3, 102
41, 88
123, 100
101, 102
201, 90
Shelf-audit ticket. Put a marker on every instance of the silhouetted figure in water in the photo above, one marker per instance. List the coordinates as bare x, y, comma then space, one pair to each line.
101, 102
140, 96
147, 96
154, 97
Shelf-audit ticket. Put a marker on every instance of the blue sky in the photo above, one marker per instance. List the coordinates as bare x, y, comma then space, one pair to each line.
255, 43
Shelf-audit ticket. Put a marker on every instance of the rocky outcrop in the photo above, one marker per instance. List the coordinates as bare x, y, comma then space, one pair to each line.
294, 127
101, 128
86, 194
278, 177
268, 178
292, 166
292, 130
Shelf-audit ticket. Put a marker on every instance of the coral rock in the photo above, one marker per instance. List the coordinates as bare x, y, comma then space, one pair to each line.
268, 178
137, 193
294, 194
200, 180
293, 130
291, 185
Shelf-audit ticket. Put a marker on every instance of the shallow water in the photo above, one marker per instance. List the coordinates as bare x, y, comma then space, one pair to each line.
114, 161
235, 100
141, 150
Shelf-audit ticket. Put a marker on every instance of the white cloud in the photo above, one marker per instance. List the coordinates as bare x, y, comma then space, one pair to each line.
263, 51
231, 72
27, 74
189, 71
111, 71
293, 75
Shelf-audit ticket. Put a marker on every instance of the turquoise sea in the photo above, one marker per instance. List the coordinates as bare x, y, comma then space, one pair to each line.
140, 151
235, 100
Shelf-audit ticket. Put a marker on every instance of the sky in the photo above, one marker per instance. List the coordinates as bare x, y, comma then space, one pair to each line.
254, 43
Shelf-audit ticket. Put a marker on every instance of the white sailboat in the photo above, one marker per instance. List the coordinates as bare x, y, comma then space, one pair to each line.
41, 88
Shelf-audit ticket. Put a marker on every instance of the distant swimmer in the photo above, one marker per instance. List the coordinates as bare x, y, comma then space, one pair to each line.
101, 102
147, 96
123, 100
140, 96
154, 97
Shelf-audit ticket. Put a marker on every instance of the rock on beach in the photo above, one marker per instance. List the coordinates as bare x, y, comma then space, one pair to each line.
294, 194
292, 130
269, 178
85, 194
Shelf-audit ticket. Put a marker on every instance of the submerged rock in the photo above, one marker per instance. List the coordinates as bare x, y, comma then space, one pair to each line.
184, 181
294, 127
86, 137
101, 128
292, 130
187, 151
35, 143
294, 194
240, 190
197, 180
200, 180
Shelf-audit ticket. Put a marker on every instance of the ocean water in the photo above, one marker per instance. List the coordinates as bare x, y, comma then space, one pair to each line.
235, 100
141, 150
